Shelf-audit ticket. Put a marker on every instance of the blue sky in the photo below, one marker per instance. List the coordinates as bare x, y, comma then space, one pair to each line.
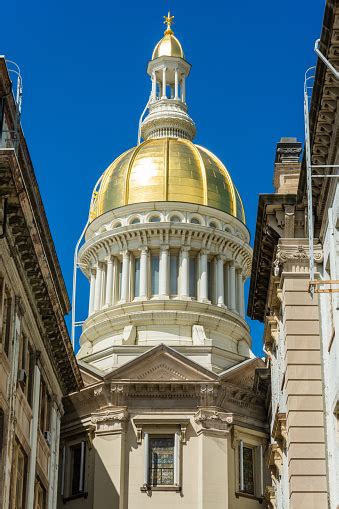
85, 85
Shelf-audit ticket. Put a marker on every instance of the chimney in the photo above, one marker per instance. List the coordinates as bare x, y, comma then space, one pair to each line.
287, 166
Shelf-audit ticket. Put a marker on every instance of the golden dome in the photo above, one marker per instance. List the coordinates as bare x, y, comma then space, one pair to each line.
168, 46
167, 169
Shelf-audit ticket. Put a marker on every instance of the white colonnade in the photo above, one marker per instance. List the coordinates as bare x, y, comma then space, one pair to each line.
194, 275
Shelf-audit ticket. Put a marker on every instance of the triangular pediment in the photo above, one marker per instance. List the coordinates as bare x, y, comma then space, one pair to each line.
162, 364
243, 374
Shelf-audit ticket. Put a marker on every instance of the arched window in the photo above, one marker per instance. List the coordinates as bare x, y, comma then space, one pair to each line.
175, 219
154, 219
195, 220
136, 220
117, 225
213, 225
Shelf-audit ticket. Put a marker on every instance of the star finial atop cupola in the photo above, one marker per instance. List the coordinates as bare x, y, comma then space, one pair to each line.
168, 20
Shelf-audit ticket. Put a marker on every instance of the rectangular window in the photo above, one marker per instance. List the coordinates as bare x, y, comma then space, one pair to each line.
18, 478
155, 274
24, 364
137, 277
192, 277
161, 461
45, 409
6, 323
246, 469
40, 496
174, 274
78, 452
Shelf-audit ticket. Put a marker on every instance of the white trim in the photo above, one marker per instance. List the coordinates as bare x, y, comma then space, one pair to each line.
82, 467
241, 465
177, 458
146, 459
261, 471
62, 490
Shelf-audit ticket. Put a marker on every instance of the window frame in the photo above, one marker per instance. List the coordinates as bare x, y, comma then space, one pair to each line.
256, 442
67, 469
160, 428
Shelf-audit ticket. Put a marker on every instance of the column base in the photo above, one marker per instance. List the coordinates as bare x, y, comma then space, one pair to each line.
140, 298
222, 306
205, 301
184, 297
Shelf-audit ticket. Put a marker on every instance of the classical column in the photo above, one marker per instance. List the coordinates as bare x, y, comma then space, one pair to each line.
231, 286
91, 292
154, 87
98, 287
183, 89
115, 297
31, 470
163, 272
203, 276
125, 276
184, 289
56, 466
52, 459
143, 272
220, 280
176, 84
240, 292
109, 281
164, 83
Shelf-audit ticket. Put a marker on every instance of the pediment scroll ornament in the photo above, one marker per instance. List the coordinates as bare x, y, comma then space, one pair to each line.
110, 421
213, 420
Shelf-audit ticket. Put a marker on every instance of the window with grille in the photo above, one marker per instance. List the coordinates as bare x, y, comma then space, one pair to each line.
161, 461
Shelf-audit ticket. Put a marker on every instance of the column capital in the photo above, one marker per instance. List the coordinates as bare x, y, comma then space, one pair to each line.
185, 249
109, 258
164, 247
143, 249
125, 253
221, 258
204, 251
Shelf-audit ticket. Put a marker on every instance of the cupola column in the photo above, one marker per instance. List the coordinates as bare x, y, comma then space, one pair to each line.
220, 280
203, 276
91, 293
143, 272
184, 272
109, 281
231, 287
163, 272
176, 84
98, 287
154, 87
183, 89
164, 83
125, 276
240, 293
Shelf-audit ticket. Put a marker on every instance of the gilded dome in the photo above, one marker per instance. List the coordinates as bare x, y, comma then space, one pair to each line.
168, 46
167, 169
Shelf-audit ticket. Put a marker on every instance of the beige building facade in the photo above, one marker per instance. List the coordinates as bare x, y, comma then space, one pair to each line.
37, 364
300, 313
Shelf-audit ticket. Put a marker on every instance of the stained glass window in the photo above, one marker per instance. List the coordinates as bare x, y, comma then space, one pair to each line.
161, 461
248, 472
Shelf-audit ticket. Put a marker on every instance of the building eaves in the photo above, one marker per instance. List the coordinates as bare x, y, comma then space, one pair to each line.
266, 240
